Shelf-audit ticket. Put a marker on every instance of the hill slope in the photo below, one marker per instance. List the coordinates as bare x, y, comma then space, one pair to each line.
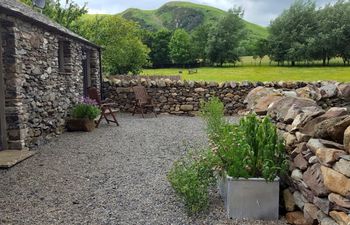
184, 15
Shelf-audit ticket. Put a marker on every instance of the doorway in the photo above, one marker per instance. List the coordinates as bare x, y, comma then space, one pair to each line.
86, 70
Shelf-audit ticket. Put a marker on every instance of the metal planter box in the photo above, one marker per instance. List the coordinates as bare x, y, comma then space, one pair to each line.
252, 198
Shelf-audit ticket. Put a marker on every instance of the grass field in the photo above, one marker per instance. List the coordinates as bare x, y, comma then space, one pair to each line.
248, 70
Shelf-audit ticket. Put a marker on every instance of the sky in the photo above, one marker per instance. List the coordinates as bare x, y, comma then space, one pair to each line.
257, 11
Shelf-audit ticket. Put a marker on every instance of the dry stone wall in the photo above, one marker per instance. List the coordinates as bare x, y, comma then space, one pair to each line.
318, 144
183, 97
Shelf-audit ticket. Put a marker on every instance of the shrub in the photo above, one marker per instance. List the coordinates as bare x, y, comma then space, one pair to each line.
86, 109
191, 178
250, 149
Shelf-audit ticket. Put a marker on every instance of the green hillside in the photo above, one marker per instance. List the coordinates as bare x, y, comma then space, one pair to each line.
184, 15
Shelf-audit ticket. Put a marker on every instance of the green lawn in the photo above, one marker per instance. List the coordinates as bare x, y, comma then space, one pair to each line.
247, 70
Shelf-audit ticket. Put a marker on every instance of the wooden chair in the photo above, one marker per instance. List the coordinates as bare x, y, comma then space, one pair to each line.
105, 108
143, 100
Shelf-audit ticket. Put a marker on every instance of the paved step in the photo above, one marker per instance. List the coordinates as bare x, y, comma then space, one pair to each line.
9, 158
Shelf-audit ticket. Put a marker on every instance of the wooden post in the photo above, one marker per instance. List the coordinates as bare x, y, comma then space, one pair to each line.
3, 133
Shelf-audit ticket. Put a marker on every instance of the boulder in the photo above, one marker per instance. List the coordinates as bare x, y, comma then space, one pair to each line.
263, 103
343, 167
300, 162
309, 91
299, 199
282, 107
329, 90
328, 156
337, 131
340, 217
332, 144
335, 112
289, 202
347, 139
336, 182
254, 95
328, 221
310, 213
314, 180
305, 115
314, 144
296, 218
339, 200
344, 91
332, 128
322, 203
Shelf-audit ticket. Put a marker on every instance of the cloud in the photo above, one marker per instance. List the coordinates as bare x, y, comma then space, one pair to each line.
256, 11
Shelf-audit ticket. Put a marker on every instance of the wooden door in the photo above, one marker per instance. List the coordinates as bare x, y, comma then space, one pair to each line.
3, 135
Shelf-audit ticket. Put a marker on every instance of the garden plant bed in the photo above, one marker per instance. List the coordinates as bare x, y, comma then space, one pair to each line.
114, 175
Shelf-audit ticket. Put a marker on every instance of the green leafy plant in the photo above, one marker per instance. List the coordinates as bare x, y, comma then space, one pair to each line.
250, 149
86, 109
191, 178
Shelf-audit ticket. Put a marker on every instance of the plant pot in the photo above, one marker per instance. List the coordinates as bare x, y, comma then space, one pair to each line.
252, 198
80, 125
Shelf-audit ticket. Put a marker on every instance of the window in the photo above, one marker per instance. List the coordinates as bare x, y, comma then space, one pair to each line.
64, 57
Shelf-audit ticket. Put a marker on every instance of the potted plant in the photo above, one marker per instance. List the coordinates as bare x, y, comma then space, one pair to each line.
83, 116
251, 157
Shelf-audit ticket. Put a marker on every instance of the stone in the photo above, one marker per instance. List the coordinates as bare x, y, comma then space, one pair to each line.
297, 175
299, 199
199, 90
256, 94
339, 200
263, 103
296, 218
332, 144
340, 217
305, 191
336, 112
328, 156
344, 91
281, 108
306, 114
289, 202
186, 108
290, 139
336, 182
347, 139
328, 221
343, 167
302, 137
322, 203
300, 162
313, 160
314, 180
310, 213
309, 92
314, 144
336, 132
329, 90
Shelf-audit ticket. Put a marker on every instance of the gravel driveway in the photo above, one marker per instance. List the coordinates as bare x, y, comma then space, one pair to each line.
114, 175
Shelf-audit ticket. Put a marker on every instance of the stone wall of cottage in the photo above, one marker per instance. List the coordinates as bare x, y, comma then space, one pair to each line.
317, 188
179, 97
38, 95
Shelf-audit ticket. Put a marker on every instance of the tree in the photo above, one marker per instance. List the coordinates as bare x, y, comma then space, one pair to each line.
160, 50
225, 38
200, 38
123, 51
66, 14
291, 32
180, 47
261, 49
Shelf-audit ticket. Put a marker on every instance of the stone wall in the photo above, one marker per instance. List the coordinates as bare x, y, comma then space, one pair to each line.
38, 94
318, 144
183, 97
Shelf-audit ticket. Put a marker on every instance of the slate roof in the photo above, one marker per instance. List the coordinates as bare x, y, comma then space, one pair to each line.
18, 9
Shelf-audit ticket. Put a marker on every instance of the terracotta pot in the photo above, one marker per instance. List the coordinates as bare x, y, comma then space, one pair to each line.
80, 125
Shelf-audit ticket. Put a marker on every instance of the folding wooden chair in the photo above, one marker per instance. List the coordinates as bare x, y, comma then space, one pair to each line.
143, 100
105, 108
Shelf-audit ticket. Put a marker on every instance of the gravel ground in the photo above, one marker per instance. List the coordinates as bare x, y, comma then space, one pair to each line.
114, 175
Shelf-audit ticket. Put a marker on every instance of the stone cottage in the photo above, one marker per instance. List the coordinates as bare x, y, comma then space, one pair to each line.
44, 69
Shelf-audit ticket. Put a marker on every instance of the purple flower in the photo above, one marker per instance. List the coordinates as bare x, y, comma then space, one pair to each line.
88, 101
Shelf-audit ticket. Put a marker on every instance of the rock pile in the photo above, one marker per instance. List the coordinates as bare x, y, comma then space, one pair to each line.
318, 143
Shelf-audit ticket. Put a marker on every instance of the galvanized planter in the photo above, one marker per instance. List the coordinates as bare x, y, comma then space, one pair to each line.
252, 198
